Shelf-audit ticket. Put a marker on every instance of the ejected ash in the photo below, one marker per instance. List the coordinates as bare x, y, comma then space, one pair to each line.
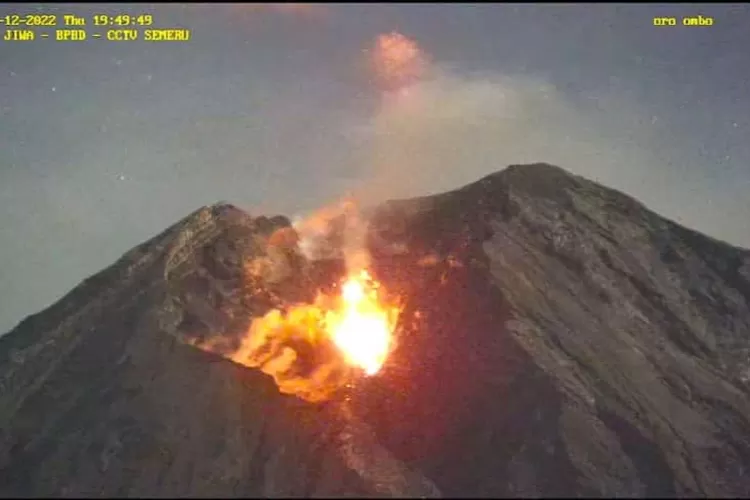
397, 61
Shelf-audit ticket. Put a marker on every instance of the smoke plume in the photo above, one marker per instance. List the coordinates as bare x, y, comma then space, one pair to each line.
434, 129
397, 61
437, 127
307, 348
338, 230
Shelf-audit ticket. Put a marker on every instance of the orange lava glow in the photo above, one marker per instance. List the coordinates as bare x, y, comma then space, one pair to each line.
362, 329
313, 350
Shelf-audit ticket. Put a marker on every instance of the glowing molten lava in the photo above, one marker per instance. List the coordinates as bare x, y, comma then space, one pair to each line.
362, 329
313, 350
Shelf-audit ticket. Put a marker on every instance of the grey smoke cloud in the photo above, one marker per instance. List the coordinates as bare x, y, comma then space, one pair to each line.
450, 129
89, 170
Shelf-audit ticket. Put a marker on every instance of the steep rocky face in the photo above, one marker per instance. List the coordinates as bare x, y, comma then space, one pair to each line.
581, 345
557, 339
104, 393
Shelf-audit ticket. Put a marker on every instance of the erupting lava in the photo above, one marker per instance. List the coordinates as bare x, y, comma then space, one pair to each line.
312, 350
362, 330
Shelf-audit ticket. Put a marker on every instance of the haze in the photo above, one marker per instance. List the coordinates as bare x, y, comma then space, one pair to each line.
281, 109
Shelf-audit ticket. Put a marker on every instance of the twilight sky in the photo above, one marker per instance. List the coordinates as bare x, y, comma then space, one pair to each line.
280, 109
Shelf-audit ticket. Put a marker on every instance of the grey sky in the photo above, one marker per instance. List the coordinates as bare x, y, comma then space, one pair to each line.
104, 144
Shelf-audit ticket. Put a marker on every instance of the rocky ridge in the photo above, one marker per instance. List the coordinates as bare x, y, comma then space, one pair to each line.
558, 338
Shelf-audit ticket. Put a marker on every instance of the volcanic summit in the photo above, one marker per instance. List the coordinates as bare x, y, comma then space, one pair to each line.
554, 337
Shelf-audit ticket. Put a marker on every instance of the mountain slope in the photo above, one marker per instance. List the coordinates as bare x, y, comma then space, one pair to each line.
102, 394
587, 345
558, 338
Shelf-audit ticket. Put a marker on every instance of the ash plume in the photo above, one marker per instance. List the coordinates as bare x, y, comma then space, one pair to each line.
338, 230
397, 61
436, 126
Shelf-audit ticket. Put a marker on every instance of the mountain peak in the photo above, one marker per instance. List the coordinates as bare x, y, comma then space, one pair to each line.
540, 169
557, 338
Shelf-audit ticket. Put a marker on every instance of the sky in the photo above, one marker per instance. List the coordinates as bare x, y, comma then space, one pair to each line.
285, 108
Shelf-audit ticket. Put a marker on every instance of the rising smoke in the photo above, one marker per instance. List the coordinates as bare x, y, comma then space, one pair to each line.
298, 344
437, 128
434, 129
338, 230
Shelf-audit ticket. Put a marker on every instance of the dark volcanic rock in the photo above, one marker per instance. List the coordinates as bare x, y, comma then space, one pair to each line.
103, 394
584, 346
558, 339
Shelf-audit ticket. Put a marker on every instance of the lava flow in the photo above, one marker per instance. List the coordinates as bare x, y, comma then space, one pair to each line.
313, 350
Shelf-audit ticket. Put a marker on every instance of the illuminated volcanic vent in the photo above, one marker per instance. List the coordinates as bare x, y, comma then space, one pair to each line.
362, 329
313, 350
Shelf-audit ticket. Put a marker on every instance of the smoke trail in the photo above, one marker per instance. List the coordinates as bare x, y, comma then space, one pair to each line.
338, 230
436, 128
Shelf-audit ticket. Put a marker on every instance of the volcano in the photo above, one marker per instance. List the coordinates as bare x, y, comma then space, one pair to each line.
557, 338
